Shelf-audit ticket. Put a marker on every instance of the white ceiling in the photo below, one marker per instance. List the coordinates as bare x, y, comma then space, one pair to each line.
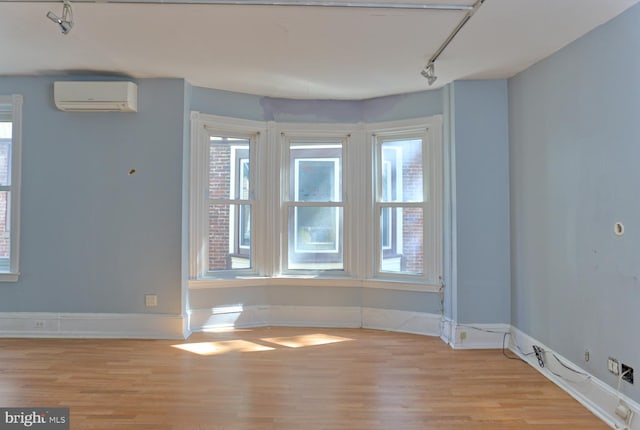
293, 52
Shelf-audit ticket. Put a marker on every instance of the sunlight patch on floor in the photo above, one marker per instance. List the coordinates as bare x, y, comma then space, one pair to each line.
222, 347
228, 329
306, 340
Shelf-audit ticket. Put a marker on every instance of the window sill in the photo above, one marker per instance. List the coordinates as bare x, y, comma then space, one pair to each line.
9, 277
312, 281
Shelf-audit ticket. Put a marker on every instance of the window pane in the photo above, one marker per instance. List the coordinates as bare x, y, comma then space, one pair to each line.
5, 129
403, 251
229, 237
5, 239
316, 172
5, 153
228, 168
315, 238
401, 171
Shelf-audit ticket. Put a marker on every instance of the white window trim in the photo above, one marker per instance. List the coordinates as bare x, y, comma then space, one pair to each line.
16, 178
312, 133
201, 128
357, 188
431, 130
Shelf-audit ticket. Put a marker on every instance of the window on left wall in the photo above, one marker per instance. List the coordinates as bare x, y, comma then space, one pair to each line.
10, 144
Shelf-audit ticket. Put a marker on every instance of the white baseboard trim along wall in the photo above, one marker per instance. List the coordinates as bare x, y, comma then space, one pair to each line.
402, 321
475, 336
87, 325
268, 315
315, 316
595, 395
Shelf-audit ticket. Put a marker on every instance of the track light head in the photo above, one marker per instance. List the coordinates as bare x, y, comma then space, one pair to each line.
429, 73
66, 21
66, 26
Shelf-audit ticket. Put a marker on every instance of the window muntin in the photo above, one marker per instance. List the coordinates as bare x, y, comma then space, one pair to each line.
230, 204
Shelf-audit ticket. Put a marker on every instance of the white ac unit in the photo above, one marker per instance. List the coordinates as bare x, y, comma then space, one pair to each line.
93, 96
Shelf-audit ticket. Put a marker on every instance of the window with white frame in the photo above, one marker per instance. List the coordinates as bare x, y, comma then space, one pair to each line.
10, 140
408, 203
223, 198
312, 204
272, 200
400, 204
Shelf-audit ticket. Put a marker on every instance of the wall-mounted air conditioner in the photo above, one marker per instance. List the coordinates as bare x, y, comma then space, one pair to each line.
92, 96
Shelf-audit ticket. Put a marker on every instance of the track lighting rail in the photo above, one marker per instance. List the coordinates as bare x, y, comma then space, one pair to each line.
298, 3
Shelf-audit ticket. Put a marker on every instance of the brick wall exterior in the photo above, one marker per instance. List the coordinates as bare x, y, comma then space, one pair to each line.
219, 185
412, 244
412, 218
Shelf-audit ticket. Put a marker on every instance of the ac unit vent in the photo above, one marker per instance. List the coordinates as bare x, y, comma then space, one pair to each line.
92, 96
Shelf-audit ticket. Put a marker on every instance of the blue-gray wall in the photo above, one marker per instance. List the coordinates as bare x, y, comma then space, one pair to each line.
575, 152
480, 147
94, 238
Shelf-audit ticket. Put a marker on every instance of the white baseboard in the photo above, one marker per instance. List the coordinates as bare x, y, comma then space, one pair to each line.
401, 321
474, 336
314, 316
446, 334
265, 315
228, 317
99, 325
591, 392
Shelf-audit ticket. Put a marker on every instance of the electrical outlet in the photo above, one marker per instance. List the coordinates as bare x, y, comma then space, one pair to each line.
150, 300
613, 365
463, 335
586, 355
39, 324
627, 373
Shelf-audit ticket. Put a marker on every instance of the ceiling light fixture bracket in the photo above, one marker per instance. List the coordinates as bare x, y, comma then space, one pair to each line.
65, 22
429, 70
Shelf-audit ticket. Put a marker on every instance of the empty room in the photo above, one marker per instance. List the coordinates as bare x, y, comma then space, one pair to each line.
286, 215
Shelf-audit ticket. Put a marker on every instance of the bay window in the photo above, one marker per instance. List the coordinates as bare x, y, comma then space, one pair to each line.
358, 202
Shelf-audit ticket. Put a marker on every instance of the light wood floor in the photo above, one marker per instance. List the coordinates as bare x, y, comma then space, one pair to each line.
283, 379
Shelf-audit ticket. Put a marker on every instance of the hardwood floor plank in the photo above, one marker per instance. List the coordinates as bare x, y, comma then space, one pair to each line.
283, 379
